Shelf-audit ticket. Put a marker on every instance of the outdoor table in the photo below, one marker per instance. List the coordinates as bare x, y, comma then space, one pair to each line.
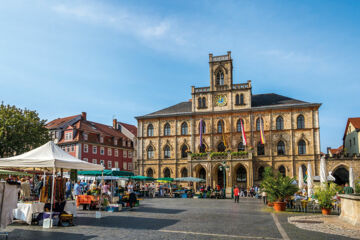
25, 211
70, 208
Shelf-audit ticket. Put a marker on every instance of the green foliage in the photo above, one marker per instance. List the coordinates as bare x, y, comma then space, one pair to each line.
20, 130
198, 155
277, 187
238, 154
325, 194
218, 154
357, 186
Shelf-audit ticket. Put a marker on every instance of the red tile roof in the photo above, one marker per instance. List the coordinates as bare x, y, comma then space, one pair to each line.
131, 128
59, 122
355, 122
337, 150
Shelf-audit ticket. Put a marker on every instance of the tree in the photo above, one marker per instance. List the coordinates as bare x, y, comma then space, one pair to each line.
20, 130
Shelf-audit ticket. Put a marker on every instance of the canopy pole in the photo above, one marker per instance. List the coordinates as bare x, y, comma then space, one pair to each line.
52, 196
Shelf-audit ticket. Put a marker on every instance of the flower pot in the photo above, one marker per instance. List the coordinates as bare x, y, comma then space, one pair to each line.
279, 206
326, 211
270, 204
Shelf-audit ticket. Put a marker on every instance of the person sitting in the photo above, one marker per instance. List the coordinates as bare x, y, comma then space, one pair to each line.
347, 189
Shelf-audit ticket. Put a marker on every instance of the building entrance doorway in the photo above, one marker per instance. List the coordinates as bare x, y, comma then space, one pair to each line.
341, 175
221, 176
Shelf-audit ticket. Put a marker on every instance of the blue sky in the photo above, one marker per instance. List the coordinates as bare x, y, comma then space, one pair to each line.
124, 59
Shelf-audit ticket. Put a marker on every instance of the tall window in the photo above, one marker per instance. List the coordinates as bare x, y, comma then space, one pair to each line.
261, 171
94, 150
102, 150
184, 149
203, 102
258, 123
109, 151
300, 122
302, 147
150, 152
220, 78
220, 126
279, 123
241, 99
221, 147
203, 127
260, 149
238, 125
167, 172
282, 170
241, 147
281, 148
184, 128
86, 148
167, 151
167, 129
184, 172
199, 103
149, 172
237, 99
202, 148
150, 130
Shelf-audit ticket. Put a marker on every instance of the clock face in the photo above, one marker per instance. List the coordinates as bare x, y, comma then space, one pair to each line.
220, 100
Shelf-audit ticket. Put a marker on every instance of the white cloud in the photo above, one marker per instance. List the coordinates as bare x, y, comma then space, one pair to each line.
288, 56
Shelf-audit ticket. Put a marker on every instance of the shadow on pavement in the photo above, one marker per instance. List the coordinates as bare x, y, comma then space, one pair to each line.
126, 222
19, 234
159, 210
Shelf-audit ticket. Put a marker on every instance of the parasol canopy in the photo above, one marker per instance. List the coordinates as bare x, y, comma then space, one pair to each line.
189, 179
106, 172
142, 178
301, 178
310, 180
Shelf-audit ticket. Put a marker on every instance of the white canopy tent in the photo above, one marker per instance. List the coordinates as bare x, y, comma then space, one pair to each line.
50, 156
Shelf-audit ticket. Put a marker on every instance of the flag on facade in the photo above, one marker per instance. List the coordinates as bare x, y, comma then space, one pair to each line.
223, 135
201, 130
262, 137
243, 133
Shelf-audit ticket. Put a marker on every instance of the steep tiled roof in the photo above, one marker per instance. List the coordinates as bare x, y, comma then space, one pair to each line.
59, 122
335, 151
258, 100
107, 130
131, 128
355, 122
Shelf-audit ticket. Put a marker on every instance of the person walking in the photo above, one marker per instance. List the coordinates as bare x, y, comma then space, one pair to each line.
264, 197
236, 194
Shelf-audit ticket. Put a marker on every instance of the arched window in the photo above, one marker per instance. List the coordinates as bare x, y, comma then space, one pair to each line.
241, 99
261, 171
149, 172
221, 147
241, 147
282, 170
150, 152
279, 123
302, 147
202, 127
204, 102
167, 151
237, 99
220, 126
260, 149
241, 174
300, 122
220, 78
184, 172
150, 130
167, 173
167, 129
199, 102
281, 148
184, 128
258, 123
202, 148
238, 125
184, 149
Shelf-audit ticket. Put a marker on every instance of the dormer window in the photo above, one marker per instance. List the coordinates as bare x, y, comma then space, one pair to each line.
85, 136
220, 78
101, 139
115, 141
68, 136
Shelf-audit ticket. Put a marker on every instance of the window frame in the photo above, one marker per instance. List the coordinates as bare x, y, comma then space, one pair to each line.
184, 128
302, 147
300, 122
167, 129
167, 151
280, 148
150, 131
279, 123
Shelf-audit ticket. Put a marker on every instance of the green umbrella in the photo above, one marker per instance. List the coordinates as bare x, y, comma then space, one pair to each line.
165, 179
142, 178
106, 173
189, 179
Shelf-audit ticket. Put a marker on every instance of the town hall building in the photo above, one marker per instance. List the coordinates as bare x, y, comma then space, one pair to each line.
203, 137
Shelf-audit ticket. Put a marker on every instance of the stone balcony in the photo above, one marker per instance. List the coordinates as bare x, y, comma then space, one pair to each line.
221, 157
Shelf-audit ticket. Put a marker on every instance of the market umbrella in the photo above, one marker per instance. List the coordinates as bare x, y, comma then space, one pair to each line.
323, 172
310, 183
189, 179
301, 178
142, 178
106, 173
165, 180
351, 178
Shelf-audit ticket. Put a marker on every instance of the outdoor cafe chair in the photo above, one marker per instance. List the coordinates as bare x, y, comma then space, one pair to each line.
298, 205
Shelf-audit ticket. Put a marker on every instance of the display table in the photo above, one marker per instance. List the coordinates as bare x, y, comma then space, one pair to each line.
87, 200
70, 207
24, 211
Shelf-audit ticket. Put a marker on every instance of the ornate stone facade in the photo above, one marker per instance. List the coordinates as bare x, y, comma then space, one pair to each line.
291, 130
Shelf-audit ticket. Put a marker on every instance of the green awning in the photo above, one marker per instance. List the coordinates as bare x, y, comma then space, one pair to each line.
106, 173
165, 179
142, 178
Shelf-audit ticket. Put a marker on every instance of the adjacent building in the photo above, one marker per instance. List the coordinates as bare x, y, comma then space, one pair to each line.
185, 139
111, 146
352, 136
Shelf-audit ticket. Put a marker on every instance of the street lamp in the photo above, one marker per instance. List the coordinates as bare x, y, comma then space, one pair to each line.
223, 168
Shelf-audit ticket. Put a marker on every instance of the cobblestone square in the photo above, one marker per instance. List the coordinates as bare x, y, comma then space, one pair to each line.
177, 219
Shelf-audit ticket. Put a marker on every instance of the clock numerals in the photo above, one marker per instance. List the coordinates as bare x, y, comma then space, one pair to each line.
220, 100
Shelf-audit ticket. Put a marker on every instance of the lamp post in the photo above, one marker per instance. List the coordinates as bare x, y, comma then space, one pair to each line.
223, 168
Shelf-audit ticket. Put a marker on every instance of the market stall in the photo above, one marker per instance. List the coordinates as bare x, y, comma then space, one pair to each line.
48, 157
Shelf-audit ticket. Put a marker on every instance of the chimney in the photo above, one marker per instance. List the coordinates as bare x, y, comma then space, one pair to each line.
114, 123
83, 115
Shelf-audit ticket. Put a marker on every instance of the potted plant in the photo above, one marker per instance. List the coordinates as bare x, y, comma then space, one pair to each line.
325, 196
278, 188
